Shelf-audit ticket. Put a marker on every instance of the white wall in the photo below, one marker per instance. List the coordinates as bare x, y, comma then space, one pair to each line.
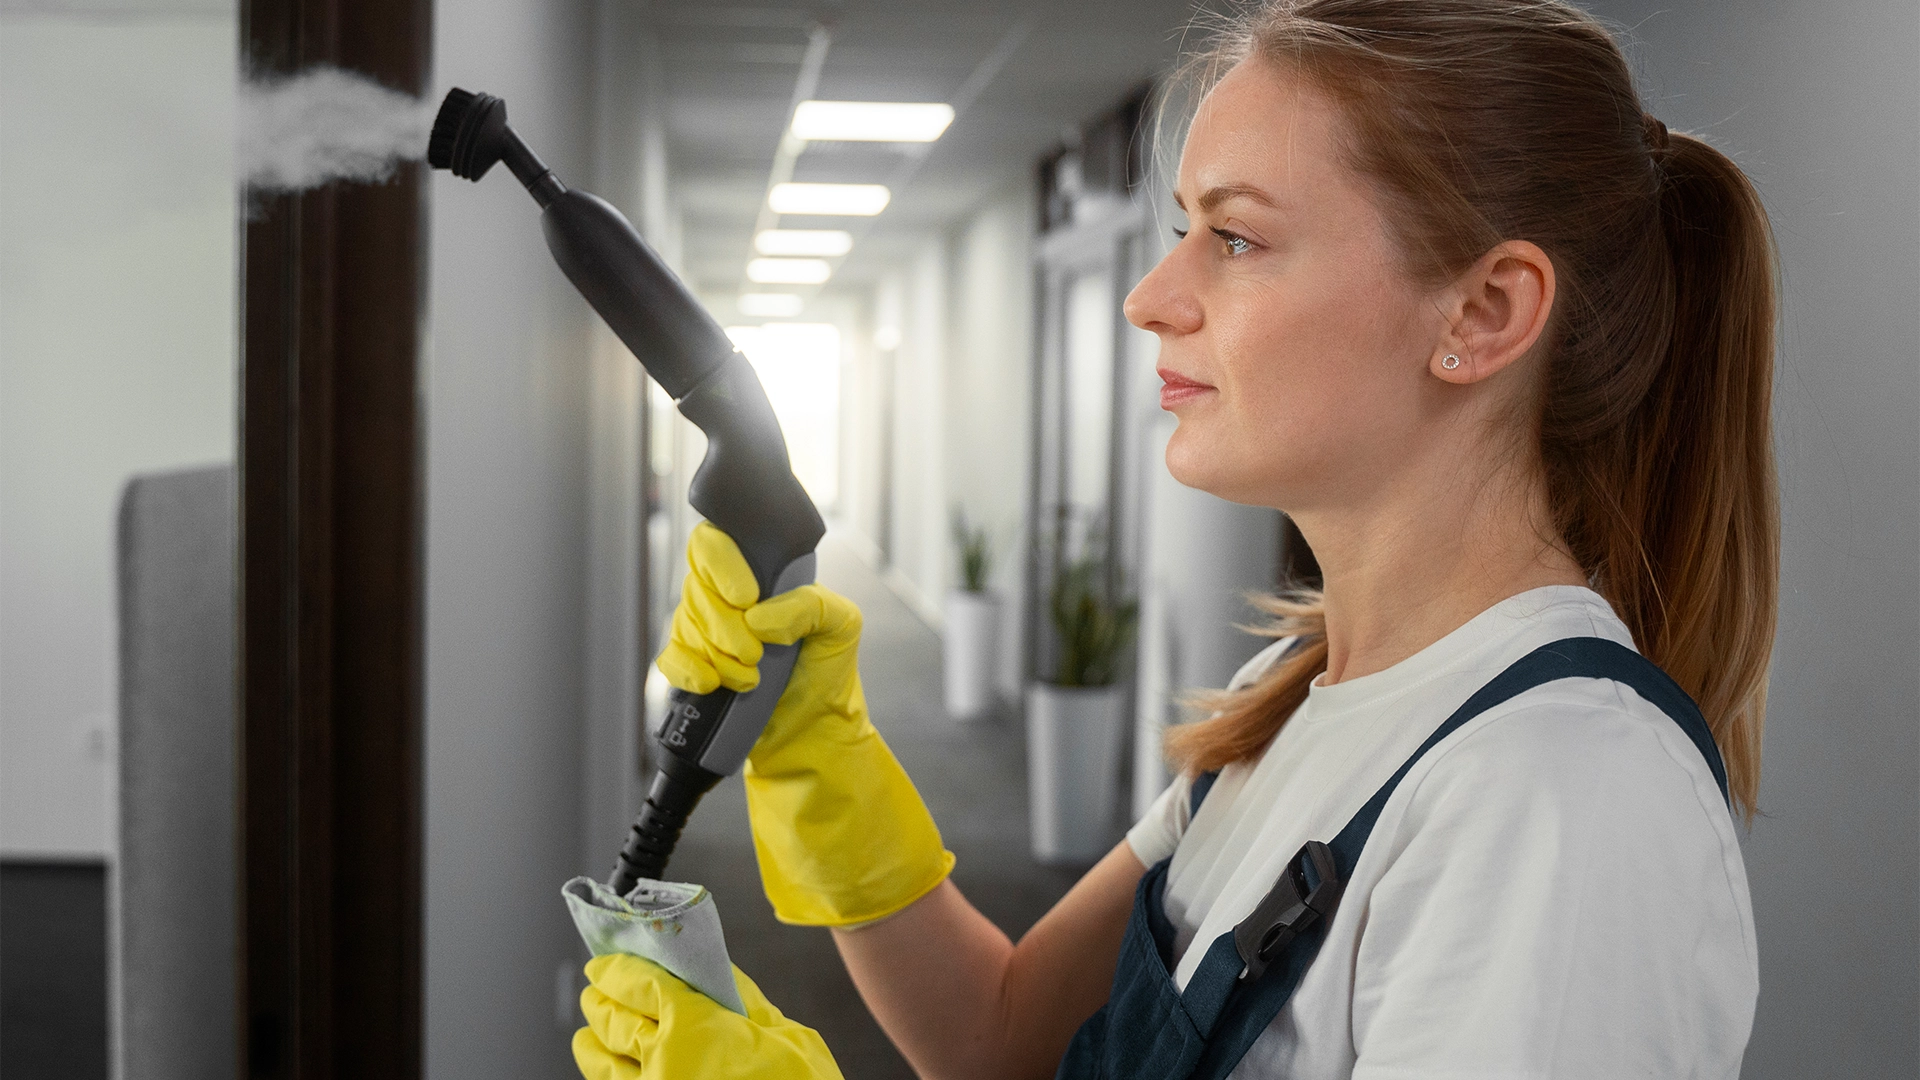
916, 543
1818, 102
508, 429
989, 369
864, 397
117, 262
952, 398
989, 380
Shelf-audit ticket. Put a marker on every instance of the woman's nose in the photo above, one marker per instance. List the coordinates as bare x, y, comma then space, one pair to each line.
1160, 303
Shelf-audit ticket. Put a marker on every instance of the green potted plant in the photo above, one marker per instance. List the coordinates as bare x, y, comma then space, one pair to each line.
1074, 722
972, 631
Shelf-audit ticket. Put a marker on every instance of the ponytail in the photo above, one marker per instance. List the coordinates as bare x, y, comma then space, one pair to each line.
1655, 425
1682, 528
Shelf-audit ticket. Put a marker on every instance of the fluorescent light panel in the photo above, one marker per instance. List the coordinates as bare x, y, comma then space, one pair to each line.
847, 200
788, 271
827, 242
871, 121
770, 305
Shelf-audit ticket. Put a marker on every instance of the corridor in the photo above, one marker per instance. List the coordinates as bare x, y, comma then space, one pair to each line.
973, 778
299, 743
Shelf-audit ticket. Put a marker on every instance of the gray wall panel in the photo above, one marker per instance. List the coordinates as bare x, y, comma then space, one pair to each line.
174, 884
1820, 103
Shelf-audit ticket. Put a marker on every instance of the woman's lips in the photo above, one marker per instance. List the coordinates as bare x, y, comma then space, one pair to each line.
1179, 388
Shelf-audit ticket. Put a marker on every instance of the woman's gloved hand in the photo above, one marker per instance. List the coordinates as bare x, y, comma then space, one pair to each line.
841, 834
645, 1024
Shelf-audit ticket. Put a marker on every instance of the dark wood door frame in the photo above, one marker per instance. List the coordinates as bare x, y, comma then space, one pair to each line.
330, 814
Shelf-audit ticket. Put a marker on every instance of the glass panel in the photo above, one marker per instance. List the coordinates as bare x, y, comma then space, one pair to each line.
117, 358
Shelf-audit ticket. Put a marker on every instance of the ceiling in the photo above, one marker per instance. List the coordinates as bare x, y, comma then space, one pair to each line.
730, 71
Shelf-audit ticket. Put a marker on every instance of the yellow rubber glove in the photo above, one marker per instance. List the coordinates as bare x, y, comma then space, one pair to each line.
645, 1024
841, 835
709, 643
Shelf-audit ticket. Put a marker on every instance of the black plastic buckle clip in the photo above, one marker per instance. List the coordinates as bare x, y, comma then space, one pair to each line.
1295, 903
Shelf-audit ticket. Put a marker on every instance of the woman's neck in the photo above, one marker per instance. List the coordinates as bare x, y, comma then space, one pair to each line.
1424, 558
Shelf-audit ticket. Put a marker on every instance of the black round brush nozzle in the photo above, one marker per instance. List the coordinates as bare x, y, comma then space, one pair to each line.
469, 134
445, 125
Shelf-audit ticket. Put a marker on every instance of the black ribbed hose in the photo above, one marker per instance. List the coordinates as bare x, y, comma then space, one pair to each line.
676, 790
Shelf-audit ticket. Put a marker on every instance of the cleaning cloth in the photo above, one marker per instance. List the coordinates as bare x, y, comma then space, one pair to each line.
673, 924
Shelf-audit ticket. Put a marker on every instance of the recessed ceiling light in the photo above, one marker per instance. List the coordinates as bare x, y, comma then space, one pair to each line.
828, 242
849, 200
788, 271
770, 305
871, 121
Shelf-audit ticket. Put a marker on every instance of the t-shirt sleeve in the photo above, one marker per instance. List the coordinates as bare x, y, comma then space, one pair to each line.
1563, 898
1158, 831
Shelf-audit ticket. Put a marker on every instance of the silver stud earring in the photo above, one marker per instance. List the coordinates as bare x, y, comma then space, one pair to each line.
1449, 361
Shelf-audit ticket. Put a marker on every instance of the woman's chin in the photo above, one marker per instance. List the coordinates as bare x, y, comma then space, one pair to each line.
1217, 471
1197, 466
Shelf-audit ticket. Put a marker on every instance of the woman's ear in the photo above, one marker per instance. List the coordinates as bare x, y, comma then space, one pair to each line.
1497, 310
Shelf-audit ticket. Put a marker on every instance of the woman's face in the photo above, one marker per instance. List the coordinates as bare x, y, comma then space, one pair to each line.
1294, 347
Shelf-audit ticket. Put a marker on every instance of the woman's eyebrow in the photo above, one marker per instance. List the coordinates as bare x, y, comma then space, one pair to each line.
1214, 196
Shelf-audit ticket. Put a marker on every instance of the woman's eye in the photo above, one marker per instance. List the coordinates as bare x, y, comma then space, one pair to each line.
1236, 244
1179, 234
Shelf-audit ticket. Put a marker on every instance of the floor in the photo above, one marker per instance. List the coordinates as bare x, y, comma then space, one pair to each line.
973, 777
53, 971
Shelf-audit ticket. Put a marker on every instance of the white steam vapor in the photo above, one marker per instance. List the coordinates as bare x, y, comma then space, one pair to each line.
300, 131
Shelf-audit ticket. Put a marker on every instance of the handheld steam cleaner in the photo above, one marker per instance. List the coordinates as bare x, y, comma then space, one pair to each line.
745, 486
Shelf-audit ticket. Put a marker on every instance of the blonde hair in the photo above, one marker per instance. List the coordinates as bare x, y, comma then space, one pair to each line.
1478, 121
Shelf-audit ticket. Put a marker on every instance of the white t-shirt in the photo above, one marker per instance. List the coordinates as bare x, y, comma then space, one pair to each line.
1555, 890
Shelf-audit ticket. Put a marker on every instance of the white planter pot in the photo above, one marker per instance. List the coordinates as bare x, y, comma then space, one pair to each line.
1073, 766
971, 638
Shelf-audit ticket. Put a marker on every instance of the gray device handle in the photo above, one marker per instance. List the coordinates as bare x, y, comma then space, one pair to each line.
741, 720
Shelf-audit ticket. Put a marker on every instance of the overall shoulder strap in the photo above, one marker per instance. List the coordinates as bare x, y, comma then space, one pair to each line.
1246, 1008
1201, 785
1568, 658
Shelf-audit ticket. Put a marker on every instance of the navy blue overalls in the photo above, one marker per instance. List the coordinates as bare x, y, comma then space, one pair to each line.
1150, 1030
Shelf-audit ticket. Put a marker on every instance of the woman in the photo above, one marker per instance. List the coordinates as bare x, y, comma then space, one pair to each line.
1501, 346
